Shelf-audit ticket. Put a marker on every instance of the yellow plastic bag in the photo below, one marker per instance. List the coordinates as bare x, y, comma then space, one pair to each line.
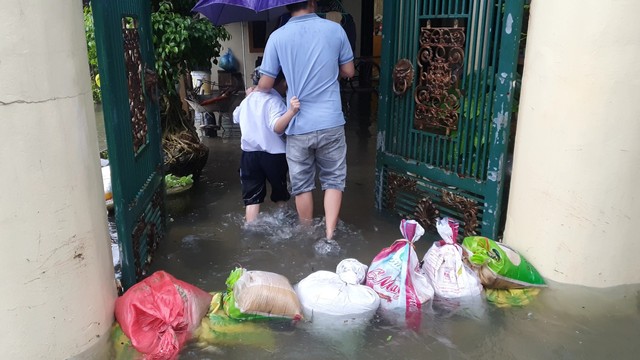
122, 348
511, 297
218, 329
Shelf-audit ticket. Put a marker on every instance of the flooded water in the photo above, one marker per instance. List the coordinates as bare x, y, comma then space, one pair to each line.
207, 239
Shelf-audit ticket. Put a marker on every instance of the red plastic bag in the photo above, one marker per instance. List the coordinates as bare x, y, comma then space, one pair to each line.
160, 313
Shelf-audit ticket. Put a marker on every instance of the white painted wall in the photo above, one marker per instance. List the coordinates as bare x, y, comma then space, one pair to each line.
58, 286
574, 204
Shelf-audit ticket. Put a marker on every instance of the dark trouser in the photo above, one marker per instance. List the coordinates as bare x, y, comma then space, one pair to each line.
256, 167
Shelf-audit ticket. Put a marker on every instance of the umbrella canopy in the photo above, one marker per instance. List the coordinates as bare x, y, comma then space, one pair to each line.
221, 12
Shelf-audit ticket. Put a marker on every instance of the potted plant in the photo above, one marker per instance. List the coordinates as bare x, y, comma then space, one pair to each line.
182, 43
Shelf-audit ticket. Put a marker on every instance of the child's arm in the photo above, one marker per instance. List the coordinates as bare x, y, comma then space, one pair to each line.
284, 120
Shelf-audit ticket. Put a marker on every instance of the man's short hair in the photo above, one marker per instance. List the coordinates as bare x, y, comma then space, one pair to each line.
297, 6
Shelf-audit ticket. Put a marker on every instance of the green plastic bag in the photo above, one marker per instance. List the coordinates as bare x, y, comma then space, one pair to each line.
498, 266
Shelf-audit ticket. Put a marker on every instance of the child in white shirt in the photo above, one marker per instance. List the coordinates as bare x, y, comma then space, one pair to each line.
263, 118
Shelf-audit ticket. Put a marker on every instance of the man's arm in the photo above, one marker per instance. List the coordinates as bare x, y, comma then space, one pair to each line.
265, 83
284, 120
270, 66
347, 70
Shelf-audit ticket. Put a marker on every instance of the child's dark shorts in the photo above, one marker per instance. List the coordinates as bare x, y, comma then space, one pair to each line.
256, 167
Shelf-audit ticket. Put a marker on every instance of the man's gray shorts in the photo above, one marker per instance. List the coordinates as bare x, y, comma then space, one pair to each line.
325, 150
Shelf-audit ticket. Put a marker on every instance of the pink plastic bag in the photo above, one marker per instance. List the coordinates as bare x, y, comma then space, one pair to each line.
160, 313
394, 274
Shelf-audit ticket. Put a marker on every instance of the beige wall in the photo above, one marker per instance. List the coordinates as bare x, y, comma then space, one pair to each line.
574, 204
58, 286
246, 59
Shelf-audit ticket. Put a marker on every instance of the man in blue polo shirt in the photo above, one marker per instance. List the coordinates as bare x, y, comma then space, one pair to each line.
312, 52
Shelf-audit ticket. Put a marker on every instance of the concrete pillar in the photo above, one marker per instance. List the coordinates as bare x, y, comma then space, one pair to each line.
574, 203
57, 283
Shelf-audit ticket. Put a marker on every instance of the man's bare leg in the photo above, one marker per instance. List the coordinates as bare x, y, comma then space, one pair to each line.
251, 213
332, 203
304, 206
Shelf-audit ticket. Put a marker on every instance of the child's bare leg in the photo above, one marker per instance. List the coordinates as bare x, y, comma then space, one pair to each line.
251, 212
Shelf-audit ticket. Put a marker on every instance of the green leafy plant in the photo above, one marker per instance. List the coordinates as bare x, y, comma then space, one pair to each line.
173, 181
182, 43
93, 54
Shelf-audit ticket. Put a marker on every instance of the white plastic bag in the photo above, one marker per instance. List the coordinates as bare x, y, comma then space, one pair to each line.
394, 273
352, 271
326, 298
444, 267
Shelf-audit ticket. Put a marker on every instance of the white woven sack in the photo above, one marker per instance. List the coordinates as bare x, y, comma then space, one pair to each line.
444, 267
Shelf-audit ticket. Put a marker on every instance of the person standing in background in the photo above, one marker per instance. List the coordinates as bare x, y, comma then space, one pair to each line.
313, 53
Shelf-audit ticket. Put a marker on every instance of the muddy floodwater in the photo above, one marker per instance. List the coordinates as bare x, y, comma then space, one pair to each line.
206, 240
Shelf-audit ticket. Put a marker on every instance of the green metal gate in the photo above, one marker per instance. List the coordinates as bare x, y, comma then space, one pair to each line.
447, 82
128, 84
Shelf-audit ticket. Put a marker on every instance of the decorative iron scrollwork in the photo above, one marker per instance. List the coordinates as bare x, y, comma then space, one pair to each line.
402, 76
467, 207
426, 213
396, 182
134, 70
440, 61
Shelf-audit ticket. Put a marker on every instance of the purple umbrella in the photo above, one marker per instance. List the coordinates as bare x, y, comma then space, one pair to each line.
221, 12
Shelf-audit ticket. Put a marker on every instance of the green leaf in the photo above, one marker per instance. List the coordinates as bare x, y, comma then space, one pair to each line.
172, 181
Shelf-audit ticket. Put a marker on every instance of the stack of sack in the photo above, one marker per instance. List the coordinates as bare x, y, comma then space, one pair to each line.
157, 316
455, 276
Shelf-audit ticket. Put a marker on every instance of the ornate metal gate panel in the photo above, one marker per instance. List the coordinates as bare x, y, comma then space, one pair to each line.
128, 84
448, 71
